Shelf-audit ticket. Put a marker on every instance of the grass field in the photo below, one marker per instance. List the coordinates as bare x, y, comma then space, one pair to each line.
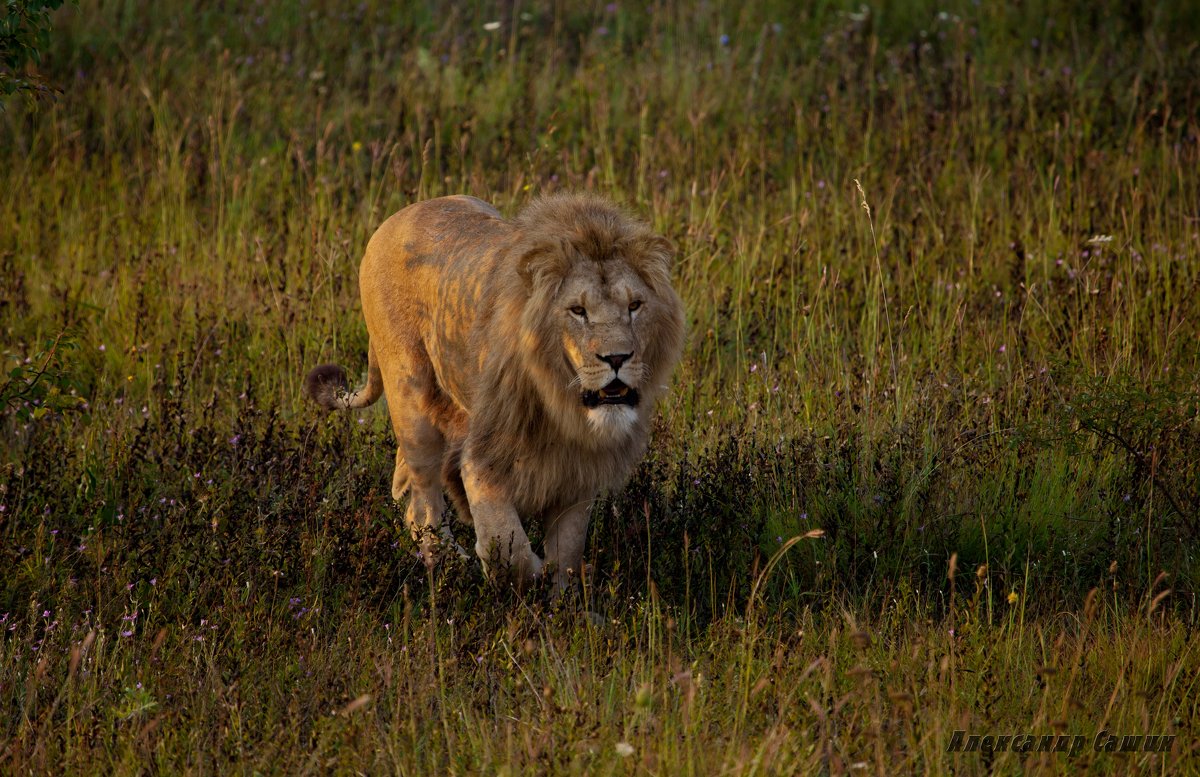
977, 374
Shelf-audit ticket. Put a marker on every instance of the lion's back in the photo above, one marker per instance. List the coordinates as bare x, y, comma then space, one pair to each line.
430, 235
424, 279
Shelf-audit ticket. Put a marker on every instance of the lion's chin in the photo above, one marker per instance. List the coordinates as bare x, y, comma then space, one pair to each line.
612, 422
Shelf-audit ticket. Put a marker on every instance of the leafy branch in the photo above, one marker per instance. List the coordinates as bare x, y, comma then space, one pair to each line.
24, 34
29, 392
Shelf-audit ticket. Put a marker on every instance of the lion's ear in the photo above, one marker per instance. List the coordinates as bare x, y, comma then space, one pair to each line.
659, 249
652, 258
543, 262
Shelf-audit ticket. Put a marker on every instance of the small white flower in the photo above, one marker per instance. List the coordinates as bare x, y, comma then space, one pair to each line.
624, 749
492, 26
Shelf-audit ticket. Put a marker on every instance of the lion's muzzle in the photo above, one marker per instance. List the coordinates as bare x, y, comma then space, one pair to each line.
615, 393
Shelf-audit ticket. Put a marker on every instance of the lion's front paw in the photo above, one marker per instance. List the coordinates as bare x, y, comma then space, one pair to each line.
520, 568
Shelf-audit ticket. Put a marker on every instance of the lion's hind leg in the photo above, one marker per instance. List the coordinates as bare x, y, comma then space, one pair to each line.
400, 476
453, 481
418, 471
420, 454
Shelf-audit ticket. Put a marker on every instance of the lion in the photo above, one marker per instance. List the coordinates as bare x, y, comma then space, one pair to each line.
522, 360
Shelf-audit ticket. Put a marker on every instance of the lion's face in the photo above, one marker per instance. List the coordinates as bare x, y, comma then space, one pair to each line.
601, 325
607, 314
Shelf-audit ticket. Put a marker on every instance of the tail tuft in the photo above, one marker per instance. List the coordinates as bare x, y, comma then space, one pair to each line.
327, 386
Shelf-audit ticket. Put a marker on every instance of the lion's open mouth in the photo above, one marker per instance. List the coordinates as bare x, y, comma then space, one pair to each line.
615, 393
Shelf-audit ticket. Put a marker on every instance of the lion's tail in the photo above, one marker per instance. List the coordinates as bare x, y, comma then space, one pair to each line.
328, 387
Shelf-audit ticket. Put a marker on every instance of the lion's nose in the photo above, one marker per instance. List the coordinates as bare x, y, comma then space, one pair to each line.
614, 360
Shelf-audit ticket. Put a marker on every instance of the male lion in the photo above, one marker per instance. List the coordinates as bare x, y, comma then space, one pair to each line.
521, 359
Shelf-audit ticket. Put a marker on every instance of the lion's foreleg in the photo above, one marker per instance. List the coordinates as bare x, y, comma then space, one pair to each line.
566, 536
500, 539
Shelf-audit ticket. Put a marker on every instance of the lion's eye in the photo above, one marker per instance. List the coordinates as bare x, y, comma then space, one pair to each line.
580, 311
634, 305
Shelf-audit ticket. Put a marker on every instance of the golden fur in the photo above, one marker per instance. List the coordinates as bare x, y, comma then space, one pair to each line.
521, 359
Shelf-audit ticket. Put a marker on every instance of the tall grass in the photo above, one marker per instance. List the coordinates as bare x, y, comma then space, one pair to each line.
991, 371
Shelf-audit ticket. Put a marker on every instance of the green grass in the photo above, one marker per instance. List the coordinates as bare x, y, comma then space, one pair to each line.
983, 390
